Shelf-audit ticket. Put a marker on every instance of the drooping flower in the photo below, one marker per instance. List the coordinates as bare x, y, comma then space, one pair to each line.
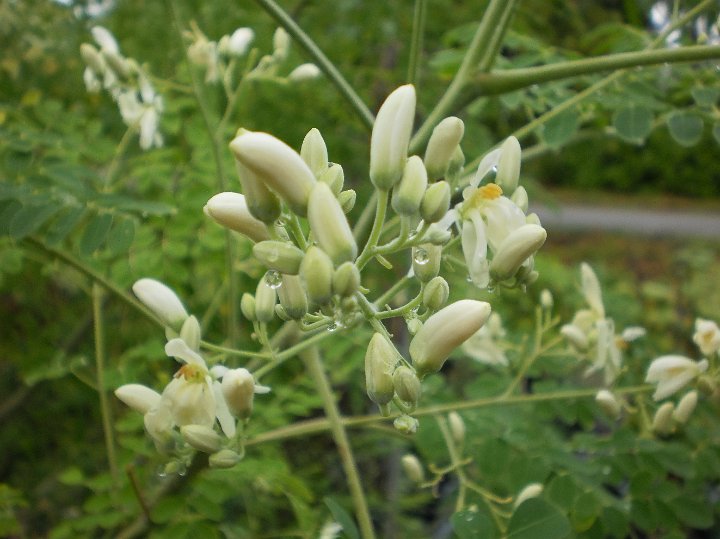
707, 336
672, 372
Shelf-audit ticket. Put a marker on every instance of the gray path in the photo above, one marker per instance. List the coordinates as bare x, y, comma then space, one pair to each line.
633, 221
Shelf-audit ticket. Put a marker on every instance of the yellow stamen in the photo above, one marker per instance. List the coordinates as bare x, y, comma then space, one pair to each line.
191, 373
491, 191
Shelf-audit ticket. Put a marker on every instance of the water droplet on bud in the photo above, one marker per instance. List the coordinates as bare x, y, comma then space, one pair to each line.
273, 279
421, 256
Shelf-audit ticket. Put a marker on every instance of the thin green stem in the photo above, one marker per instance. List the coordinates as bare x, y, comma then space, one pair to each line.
105, 410
380, 210
233, 351
492, 16
416, 41
291, 352
322, 61
115, 163
455, 461
500, 82
401, 311
392, 292
489, 57
315, 368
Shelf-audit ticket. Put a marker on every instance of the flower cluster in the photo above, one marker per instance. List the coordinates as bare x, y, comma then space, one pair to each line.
201, 407
127, 83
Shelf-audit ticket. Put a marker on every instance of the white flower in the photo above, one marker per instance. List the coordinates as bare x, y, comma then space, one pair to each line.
236, 44
707, 336
105, 40
238, 389
486, 345
591, 289
141, 110
673, 372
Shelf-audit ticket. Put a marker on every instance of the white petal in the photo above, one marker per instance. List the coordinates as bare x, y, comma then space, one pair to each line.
668, 386
225, 418
474, 246
138, 397
105, 39
487, 163
191, 403
668, 366
179, 349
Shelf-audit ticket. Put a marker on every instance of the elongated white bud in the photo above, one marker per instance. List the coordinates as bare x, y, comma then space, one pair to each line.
201, 437
391, 137
334, 176
663, 419
408, 194
265, 299
435, 202
407, 385
380, 360
533, 490
279, 256
685, 407
138, 397
443, 142
520, 198
591, 289
292, 297
519, 245
225, 458
575, 336
314, 152
608, 403
92, 58
238, 389
508, 167
305, 72
277, 165
330, 226
247, 306
191, 333
162, 301
444, 331
413, 468
316, 272
457, 427
231, 211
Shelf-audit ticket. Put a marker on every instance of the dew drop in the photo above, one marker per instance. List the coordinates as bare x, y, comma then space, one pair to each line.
273, 279
332, 327
330, 164
181, 469
161, 471
421, 256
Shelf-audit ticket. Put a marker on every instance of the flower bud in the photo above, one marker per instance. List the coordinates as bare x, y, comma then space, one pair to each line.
330, 226
231, 211
608, 403
117, 63
435, 202
457, 428
426, 261
444, 331
281, 43
685, 407
407, 385
304, 72
546, 299
238, 389
443, 142
292, 297
391, 137
92, 57
455, 167
406, 424
436, 293
591, 289
508, 167
520, 198
437, 235
190, 333
515, 250
347, 200
334, 176
138, 397
316, 272
247, 306
265, 297
277, 165
262, 203
279, 256
533, 490
380, 360
575, 336
346, 279
282, 314
237, 44
414, 325
162, 301
662, 422
225, 458
201, 437
408, 194
413, 468
314, 152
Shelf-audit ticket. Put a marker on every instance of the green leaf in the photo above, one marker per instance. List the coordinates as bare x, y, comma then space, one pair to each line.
705, 97
691, 513
537, 518
121, 236
560, 129
143, 207
8, 209
633, 123
343, 518
95, 233
30, 218
473, 524
64, 225
716, 132
686, 128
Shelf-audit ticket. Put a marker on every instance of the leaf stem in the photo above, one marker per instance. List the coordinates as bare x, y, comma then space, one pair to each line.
416, 41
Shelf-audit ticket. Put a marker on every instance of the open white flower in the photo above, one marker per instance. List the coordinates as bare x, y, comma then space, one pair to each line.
673, 372
486, 344
707, 336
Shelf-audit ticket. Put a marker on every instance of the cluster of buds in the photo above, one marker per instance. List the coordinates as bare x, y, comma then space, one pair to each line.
591, 335
127, 83
219, 58
201, 408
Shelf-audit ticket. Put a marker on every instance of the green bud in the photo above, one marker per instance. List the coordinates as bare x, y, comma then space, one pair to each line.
247, 306
436, 293
391, 137
414, 325
279, 256
662, 422
292, 297
408, 194
201, 437
316, 272
685, 407
608, 403
346, 279
265, 298
457, 162
407, 385
438, 235
515, 249
347, 200
314, 152
436, 202
329, 225
334, 176
380, 360
282, 314
426, 261
457, 427
413, 468
520, 198
508, 167
262, 203
406, 424
546, 299
225, 458
281, 43
444, 331
190, 332
443, 142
